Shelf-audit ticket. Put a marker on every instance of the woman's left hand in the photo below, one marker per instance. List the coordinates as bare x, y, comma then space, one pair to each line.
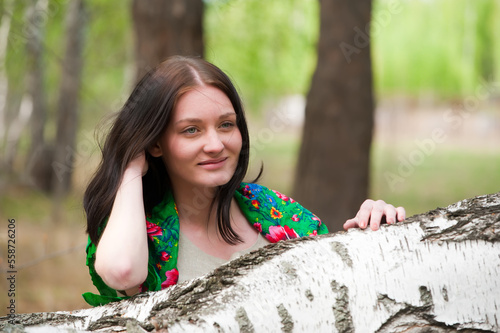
372, 213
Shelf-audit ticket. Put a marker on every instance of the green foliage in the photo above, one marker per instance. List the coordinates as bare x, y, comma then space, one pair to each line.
15, 61
108, 72
268, 47
443, 47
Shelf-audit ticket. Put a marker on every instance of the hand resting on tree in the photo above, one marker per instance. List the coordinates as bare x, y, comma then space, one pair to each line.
374, 213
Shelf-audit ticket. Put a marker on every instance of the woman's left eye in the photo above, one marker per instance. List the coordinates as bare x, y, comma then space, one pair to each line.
227, 125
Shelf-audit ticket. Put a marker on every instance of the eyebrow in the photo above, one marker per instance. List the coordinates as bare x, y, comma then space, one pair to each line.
198, 120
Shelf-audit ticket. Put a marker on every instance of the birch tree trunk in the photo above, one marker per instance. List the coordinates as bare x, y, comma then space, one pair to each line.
436, 272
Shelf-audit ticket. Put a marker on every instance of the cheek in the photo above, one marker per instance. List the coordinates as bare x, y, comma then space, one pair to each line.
176, 154
235, 142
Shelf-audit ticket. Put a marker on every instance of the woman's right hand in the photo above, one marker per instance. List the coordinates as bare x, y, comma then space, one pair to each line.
138, 164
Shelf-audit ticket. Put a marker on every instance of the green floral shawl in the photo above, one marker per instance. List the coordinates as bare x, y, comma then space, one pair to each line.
276, 216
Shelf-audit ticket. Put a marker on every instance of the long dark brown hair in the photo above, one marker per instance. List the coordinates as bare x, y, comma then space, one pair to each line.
141, 122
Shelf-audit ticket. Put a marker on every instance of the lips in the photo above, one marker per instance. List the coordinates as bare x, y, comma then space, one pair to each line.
213, 161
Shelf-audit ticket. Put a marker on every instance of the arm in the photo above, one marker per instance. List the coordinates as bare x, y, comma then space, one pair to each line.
371, 212
122, 252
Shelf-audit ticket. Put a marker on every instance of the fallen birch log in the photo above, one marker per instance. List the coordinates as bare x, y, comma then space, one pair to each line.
436, 272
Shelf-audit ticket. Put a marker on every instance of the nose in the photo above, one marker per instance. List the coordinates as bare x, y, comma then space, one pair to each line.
214, 143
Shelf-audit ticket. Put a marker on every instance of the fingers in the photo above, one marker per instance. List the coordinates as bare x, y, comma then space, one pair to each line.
390, 214
373, 213
351, 223
365, 211
401, 213
378, 211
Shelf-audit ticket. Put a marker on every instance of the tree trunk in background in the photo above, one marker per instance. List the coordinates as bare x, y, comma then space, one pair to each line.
14, 108
4, 38
166, 28
333, 169
437, 272
67, 113
41, 176
35, 76
18, 111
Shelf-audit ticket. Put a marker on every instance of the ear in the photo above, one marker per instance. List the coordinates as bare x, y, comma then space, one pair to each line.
155, 150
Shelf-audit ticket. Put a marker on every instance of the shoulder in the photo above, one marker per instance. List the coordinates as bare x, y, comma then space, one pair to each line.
252, 191
267, 208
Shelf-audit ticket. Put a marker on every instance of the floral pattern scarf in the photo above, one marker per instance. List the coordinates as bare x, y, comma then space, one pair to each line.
276, 216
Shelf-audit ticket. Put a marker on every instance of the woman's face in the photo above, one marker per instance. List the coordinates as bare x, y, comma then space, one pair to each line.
202, 143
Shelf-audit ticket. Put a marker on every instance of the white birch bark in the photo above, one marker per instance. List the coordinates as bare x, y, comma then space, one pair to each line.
437, 272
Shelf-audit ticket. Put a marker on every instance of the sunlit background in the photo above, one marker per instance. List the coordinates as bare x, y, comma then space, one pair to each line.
436, 70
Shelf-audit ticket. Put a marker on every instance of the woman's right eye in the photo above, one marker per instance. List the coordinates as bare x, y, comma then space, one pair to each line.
190, 130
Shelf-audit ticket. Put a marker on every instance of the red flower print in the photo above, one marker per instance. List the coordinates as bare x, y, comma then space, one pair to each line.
258, 226
278, 233
282, 196
255, 203
295, 218
247, 192
276, 214
172, 277
314, 233
165, 256
153, 230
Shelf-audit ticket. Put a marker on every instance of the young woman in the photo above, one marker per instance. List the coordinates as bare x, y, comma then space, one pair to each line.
168, 202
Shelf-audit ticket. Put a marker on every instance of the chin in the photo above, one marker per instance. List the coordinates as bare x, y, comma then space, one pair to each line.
216, 181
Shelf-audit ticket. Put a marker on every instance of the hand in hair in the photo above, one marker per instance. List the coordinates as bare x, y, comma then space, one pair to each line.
374, 213
138, 164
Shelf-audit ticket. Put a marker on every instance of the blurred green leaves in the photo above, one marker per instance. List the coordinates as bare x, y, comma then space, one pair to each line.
438, 47
268, 47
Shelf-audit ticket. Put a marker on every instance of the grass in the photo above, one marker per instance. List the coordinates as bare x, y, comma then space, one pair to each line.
446, 176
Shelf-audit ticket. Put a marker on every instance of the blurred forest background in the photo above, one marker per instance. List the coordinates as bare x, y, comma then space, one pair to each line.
436, 83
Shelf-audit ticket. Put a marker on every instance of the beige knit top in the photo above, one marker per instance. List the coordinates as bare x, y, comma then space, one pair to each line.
193, 262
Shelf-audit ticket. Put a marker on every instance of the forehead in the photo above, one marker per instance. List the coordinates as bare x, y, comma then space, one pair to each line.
202, 100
